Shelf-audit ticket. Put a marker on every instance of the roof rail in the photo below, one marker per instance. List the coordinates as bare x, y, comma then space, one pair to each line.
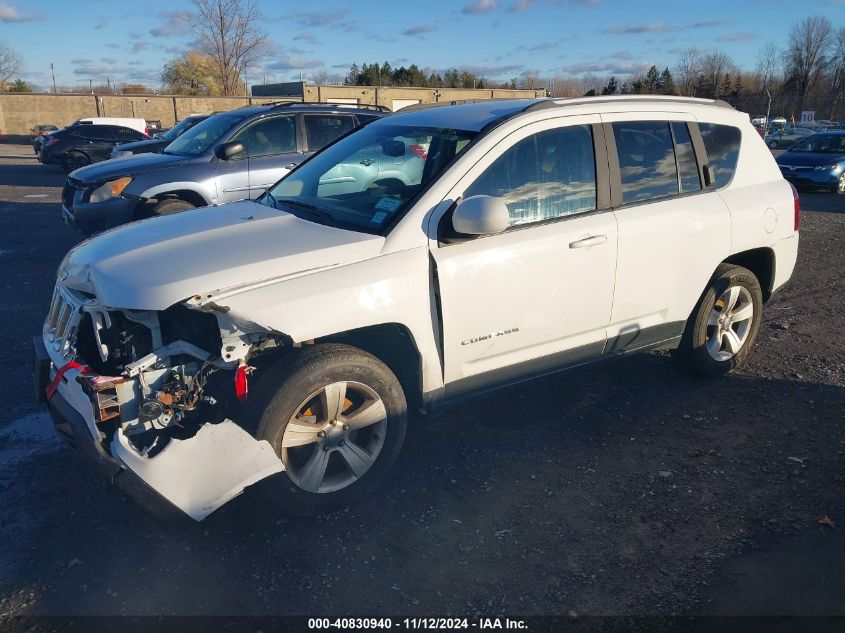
308, 104
554, 102
424, 106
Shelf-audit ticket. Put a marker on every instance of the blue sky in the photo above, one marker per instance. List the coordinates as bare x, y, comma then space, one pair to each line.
497, 38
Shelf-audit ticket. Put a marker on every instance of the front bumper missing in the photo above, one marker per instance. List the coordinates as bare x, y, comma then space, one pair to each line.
195, 476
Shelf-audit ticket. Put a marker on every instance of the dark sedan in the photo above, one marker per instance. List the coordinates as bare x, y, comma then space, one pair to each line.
158, 142
78, 145
818, 161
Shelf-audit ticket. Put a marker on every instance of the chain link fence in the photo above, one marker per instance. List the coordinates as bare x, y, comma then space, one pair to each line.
830, 107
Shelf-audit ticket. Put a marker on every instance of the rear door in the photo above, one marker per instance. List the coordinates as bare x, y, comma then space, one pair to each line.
321, 129
101, 140
673, 231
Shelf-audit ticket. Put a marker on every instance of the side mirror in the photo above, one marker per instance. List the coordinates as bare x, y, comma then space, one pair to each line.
394, 149
481, 215
229, 150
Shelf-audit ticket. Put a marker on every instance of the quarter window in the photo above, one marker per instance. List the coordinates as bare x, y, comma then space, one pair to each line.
646, 160
722, 145
687, 164
549, 175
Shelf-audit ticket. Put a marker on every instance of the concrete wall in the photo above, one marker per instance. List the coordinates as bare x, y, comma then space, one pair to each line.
19, 112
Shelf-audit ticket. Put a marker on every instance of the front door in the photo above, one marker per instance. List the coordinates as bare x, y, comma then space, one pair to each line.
539, 295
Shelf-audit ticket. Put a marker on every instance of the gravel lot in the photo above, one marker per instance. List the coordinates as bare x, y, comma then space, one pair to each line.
627, 488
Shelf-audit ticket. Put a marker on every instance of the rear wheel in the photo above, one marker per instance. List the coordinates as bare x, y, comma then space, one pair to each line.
336, 416
724, 324
74, 160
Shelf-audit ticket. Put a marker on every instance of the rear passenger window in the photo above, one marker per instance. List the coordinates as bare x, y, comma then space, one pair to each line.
687, 164
545, 176
321, 129
646, 160
722, 145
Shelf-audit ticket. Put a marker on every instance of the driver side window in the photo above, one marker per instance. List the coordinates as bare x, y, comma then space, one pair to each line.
266, 137
548, 175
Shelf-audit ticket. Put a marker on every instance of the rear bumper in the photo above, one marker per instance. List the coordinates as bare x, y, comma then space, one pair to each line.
72, 428
786, 254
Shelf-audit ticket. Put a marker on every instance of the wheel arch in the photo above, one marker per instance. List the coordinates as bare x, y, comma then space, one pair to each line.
761, 262
394, 345
188, 195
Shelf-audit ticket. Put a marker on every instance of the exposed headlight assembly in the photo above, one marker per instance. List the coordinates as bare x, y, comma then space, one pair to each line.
109, 190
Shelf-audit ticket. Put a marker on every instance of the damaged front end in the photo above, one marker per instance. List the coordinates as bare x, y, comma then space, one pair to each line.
161, 393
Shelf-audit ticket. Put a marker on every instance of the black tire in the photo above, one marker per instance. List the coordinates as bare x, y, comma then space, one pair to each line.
280, 393
692, 350
170, 205
74, 160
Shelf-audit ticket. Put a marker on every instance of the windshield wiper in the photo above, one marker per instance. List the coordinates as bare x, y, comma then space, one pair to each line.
306, 206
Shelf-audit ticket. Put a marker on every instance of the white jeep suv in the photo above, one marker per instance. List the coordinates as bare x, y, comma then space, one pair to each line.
285, 340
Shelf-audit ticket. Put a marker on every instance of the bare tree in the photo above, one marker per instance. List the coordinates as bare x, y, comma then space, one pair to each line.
837, 69
688, 71
769, 62
10, 64
714, 66
807, 55
228, 31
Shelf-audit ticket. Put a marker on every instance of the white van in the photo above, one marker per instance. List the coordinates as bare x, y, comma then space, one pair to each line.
135, 124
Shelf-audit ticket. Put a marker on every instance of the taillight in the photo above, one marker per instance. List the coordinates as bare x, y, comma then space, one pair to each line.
241, 382
797, 206
147, 131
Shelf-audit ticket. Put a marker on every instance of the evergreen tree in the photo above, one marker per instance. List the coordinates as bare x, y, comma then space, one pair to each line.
667, 83
611, 87
351, 78
725, 89
590, 93
652, 81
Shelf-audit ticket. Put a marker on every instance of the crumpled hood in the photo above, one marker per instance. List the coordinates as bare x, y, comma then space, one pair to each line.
129, 166
153, 264
808, 159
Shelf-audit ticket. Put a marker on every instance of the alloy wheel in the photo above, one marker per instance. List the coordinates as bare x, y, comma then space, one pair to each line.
334, 437
729, 323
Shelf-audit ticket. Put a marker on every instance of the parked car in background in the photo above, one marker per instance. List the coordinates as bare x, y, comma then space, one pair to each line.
40, 130
759, 120
153, 127
81, 144
786, 137
818, 161
229, 156
38, 139
159, 141
778, 121
291, 338
132, 123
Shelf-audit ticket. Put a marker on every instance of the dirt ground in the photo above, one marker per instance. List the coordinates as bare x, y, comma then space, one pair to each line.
628, 488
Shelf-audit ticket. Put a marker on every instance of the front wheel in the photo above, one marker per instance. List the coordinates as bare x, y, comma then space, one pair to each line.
840, 186
336, 416
724, 324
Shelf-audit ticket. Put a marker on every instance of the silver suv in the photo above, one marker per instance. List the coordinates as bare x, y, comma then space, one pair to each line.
230, 156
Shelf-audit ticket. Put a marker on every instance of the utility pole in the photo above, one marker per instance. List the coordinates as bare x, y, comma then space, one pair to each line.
91, 85
54, 77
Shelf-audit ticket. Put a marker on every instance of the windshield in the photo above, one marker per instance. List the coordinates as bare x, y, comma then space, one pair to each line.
178, 129
822, 144
202, 136
369, 177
